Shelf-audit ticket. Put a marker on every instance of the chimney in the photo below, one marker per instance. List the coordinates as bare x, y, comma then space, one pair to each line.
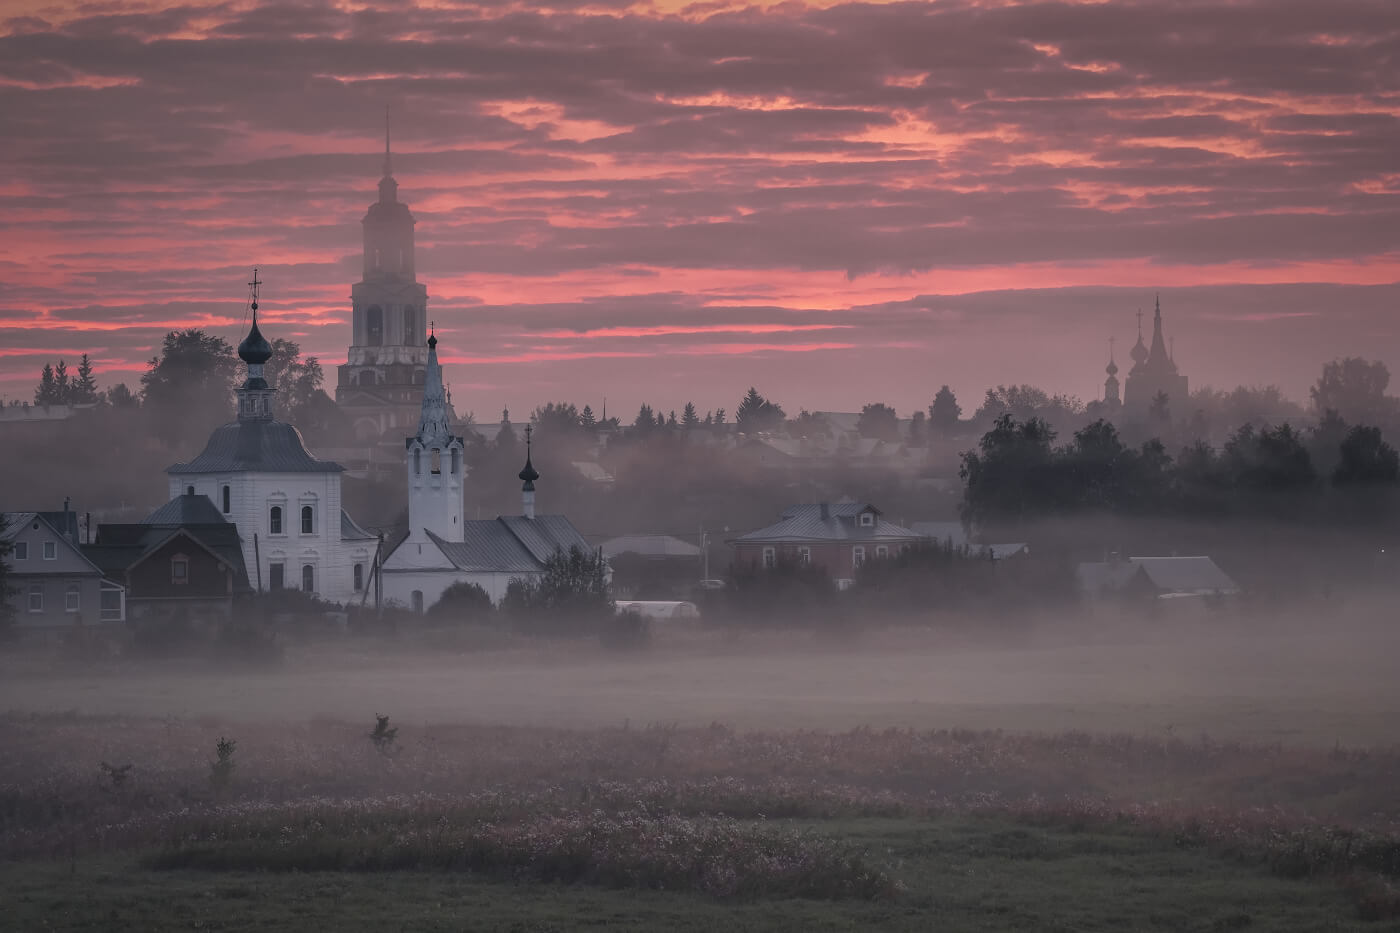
826, 511
69, 531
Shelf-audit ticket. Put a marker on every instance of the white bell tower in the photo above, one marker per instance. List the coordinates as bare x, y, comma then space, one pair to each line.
436, 467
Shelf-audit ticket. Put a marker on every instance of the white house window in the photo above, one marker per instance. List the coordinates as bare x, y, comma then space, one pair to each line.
227, 499
770, 557
72, 598
805, 553
180, 570
36, 598
308, 578
276, 574
308, 520
189, 490
274, 520
359, 576
21, 551
881, 551
50, 550
867, 519
857, 555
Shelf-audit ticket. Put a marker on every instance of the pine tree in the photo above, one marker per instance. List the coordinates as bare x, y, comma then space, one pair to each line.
943, 414
587, 420
62, 387
44, 394
719, 416
85, 386
689, 417
644, 421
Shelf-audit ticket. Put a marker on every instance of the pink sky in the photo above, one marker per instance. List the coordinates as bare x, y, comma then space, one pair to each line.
837, 203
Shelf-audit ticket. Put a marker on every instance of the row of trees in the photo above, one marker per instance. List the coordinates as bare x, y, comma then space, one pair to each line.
57, 386
1017, 473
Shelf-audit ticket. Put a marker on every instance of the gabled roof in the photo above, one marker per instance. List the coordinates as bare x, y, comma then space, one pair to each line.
187, 509
16, 522
1194, 576
255, 447
119, 547
806, 523
510, 544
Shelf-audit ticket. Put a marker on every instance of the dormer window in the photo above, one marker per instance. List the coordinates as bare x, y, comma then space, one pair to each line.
867, 519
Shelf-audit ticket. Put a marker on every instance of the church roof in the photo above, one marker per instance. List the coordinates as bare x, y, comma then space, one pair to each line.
511, 543
350, 531
256, 447
186, 510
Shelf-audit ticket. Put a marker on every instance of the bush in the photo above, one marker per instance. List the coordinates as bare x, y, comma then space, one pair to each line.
790, 591
464, 603
571, 597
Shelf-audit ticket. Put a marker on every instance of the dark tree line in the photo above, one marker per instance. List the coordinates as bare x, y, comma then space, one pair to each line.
1017, 473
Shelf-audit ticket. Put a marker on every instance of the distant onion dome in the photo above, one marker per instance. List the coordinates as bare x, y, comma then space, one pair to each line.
255, 350
1111, 368
1139, 352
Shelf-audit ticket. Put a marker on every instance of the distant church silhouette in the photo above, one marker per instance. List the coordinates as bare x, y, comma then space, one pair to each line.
1153, 373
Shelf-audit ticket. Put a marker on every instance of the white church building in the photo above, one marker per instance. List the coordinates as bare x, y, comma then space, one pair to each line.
286, 503
442, 548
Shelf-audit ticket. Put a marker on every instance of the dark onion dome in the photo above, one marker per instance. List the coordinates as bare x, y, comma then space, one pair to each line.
1111, 368
432, 341
529, 474
1139, 352
255, 350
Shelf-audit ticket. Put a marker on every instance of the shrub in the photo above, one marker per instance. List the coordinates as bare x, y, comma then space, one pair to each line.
463, 602
221, 768
384, 737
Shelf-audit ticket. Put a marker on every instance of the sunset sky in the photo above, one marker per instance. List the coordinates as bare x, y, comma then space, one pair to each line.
837, 203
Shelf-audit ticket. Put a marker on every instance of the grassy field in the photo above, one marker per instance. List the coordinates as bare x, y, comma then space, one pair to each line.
1159, 779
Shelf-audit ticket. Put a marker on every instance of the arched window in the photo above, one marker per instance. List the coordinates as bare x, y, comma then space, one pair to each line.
308, 520
436, 461
456, 460
374, 326
227, 500
417, 600
308, 578
359, 576
409, 335
274, 520
367, 378
189, 490
417, 462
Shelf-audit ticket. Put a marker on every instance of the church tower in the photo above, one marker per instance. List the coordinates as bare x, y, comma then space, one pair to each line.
435, 463
381, 381
1154, 373
1110, 385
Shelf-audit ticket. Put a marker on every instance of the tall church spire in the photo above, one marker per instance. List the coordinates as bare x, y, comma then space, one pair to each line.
529, 474
388, 159
1159, 344
433, 429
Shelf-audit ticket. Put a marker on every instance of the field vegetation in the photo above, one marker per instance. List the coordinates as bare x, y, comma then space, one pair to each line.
681, 827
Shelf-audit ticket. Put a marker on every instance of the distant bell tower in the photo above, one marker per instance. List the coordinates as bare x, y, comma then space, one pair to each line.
381, 381
1110, 385
435, 464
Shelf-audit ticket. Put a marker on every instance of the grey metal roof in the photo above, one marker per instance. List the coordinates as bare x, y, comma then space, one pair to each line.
186, 509
256, 446
804, 523
649, 546
350, 531
1198, 576
511, 544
